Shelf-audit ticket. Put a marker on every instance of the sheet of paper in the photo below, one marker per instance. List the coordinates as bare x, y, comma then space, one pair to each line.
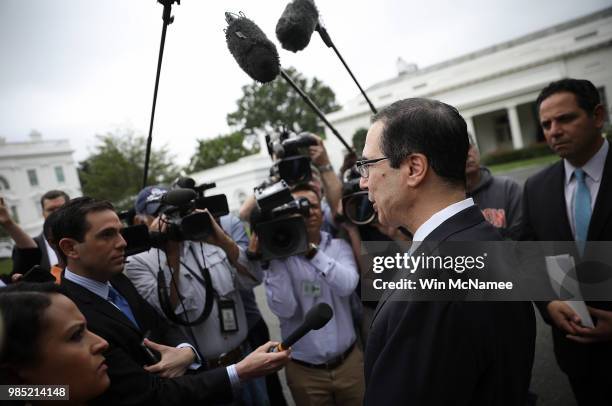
558, 267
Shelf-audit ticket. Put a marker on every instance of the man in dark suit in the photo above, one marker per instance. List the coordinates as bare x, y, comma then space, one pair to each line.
437, 353
146, 360
571, 200
42, 254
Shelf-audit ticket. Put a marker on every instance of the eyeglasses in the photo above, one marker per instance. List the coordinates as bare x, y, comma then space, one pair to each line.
363, 166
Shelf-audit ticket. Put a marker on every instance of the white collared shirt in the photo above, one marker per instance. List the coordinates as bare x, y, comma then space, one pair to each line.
438, 218
594, 172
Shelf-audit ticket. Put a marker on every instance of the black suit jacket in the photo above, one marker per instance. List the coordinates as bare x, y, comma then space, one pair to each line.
450, 353
545, 219
25, 258
130, 383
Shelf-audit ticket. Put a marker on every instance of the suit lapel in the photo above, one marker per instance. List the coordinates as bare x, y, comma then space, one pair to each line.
464, 219
603, 204
97, 304
558, 203
44, 259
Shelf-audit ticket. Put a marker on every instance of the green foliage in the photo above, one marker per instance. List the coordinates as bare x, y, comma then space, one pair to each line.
276, 106
114, 171
359, 140
220, 150
6, 266
505, 155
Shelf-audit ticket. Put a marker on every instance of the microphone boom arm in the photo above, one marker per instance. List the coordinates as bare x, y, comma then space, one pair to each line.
327, 40
168, 19
314, 107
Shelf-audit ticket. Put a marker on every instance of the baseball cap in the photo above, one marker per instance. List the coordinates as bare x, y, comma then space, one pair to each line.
149, 200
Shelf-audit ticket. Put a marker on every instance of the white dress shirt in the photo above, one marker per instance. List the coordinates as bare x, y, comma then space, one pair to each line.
438, 218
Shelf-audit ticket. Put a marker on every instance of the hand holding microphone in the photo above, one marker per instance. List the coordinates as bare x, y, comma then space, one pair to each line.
315, 319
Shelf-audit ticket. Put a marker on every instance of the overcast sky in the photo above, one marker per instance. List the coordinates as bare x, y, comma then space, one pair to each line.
76, 68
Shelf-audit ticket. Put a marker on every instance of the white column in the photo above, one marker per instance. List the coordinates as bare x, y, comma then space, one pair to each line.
469, 121
515, 127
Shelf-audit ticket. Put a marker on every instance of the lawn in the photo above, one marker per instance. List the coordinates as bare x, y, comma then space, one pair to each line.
508, 166
6, 265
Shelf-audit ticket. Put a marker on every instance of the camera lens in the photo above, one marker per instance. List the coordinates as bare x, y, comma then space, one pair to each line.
358, 208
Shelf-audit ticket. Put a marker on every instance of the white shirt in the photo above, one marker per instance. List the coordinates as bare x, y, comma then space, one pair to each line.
142, 270
594, 173
438, 218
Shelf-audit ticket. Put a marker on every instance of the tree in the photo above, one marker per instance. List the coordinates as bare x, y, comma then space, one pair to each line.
220, 150
114, 171
275, 106
359, 140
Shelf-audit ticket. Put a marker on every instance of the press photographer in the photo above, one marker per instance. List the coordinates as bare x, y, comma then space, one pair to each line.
325, 273
192, 277
290, 155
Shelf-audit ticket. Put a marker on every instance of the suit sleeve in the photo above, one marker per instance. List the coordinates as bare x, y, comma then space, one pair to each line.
132, 385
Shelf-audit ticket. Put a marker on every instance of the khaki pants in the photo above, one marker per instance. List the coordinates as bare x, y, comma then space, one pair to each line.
343, 385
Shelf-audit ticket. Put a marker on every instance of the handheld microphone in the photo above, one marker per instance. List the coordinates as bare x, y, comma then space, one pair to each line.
296, 24
317, 317
178, 197
253, 51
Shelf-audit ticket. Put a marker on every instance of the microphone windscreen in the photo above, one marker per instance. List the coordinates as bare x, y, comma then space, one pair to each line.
253, 51
296, 25
318, 316
185, 182
179, 197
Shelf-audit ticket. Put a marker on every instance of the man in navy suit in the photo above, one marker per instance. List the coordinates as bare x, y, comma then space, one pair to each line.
571, 200
88, 235
443, 352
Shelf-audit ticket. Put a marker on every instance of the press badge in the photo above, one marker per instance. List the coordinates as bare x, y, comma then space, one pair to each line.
311, 289
227, 316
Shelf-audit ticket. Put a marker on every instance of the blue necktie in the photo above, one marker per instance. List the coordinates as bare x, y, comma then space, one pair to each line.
115, 297
582, 209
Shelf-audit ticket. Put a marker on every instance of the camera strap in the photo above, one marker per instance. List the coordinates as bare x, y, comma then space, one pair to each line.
164, 298
227, 307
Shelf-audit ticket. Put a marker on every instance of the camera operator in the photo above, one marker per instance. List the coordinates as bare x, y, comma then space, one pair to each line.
201, 279
326, 366
324, 180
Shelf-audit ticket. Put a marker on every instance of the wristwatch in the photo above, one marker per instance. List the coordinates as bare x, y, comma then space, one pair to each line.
325, 168
312, 250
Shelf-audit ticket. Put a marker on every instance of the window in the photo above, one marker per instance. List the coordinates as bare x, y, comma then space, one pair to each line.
59, 174
4, 185
33, 177
14, 214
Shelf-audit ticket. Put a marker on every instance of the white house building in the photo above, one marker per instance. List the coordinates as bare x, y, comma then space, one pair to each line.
494, 89
28, 170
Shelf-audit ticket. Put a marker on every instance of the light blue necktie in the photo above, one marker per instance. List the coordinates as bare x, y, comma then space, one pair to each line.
582, 209
115, 297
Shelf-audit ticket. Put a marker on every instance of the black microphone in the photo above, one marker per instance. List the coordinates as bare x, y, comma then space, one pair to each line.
317, 317
296, 25
178, 197
253, 51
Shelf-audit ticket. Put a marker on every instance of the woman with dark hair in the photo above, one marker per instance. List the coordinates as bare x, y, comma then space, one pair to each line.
46, 342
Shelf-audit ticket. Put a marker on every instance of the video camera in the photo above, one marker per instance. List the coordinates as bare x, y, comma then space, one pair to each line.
292, 160
358, 209
278, 221
182, 220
